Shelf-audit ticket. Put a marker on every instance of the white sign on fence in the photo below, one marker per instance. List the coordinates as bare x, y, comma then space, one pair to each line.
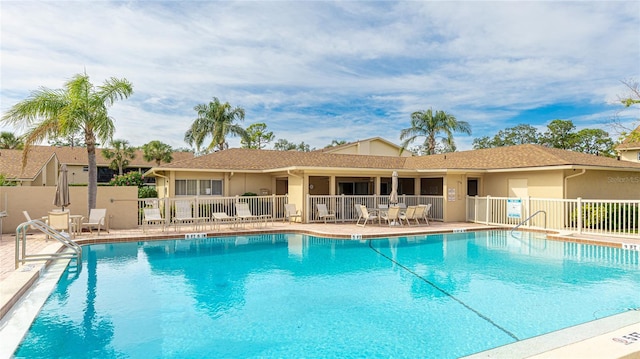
514, 208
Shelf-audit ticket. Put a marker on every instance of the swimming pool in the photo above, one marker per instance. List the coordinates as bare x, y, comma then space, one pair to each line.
290, 295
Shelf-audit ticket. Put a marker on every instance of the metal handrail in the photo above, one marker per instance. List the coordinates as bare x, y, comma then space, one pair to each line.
21, 248
528, 218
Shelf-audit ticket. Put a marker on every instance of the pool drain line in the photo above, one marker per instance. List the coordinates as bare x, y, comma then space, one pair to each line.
446, 293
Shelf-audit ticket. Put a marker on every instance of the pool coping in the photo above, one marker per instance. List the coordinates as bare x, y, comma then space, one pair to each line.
583, 338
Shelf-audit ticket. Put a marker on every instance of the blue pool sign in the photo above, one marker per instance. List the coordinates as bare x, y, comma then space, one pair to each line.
514, 208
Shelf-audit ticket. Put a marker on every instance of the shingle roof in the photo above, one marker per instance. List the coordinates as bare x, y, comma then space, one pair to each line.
522, 156
78, 156
260, 160
11, 164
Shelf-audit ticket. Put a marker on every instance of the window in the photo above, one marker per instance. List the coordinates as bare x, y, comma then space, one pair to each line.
198, 187
638, 156
210, 188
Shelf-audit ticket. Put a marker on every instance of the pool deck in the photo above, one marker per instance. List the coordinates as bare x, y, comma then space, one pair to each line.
605, 338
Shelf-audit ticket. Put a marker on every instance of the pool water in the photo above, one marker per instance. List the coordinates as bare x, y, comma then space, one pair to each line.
290, 295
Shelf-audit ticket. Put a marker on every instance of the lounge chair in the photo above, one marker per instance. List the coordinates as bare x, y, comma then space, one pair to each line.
220, 218
60, 221
152, 216
324, 214
363, 213
184, 215
97, 219
392, 216
244, 215
290, 212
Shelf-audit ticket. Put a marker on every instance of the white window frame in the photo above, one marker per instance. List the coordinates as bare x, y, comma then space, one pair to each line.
192, 187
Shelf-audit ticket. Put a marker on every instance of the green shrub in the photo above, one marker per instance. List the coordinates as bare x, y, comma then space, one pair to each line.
147, 192
129, 179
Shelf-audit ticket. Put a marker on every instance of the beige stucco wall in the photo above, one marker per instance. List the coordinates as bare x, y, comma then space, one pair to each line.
541, 184
37, 201
630, 155
605, 185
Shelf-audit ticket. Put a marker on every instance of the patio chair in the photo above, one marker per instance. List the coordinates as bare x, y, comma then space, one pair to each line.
363, 213
419, 214
219, 218
425, 215
324, 214
408, 215
97, 219
392, 216
184, 215
152, 216
244, 215
60, 221
290, 212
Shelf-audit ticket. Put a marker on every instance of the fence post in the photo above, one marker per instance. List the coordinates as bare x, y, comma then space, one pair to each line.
488, 212
579, 215
273, 207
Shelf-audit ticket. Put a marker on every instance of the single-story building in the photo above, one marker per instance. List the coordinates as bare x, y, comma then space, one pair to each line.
365, 168
44, 161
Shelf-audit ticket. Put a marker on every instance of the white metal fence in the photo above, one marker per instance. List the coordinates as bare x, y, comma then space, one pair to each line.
604, 217
204, 207
344, 205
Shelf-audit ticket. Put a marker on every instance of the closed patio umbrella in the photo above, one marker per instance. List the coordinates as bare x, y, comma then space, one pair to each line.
393, 197
62, 189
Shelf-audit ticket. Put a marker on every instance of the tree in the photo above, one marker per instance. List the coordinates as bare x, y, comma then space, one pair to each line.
79, 106
430, 125
217, 120
157, 151
512, 136
71, 140
595, 142
284, 145
257, 136
632, 133
560, 134
9, 141
120, 155
335, 143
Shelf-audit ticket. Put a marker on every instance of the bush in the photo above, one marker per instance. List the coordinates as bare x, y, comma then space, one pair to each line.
147, 192
129, 179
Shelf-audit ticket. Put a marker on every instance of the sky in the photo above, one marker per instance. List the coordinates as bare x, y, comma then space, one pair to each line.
317, 71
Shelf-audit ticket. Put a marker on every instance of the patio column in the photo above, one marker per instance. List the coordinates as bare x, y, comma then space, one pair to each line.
332, 185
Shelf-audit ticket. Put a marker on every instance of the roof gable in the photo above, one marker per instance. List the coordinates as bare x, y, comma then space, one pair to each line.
11, 164
376, 146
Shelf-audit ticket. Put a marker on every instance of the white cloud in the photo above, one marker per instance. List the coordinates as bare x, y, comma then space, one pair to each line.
315, 71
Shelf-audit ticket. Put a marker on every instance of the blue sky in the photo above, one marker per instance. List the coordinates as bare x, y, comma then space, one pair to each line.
315, 71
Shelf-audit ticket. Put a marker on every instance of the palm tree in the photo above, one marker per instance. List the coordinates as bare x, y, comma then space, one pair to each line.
430, 125
120, 155
9, 141
157, 151
217, 120
79, 106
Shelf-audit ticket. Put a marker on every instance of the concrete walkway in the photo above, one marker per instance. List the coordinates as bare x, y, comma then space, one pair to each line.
591, 340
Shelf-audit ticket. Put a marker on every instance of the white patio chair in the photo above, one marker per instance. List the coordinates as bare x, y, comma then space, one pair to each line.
290, 212
97, 219
324, 213
244, 215
152, 216
408, 215
61, 222
392, 216
220, 218
363, 213
184, 215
